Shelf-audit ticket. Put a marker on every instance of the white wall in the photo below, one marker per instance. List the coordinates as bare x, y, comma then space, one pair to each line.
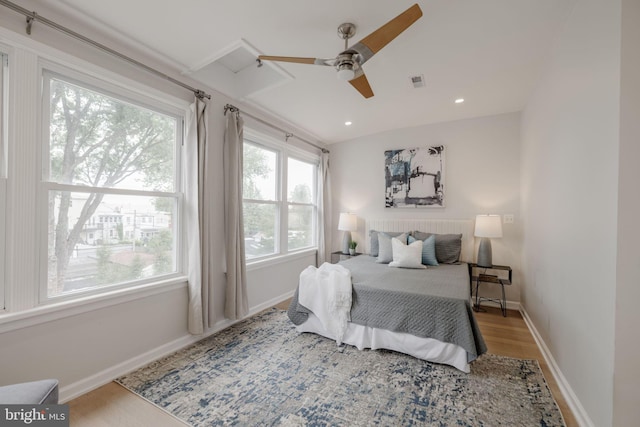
78, 347
88, 348
276, 282
569, 194
626, 403
482, 176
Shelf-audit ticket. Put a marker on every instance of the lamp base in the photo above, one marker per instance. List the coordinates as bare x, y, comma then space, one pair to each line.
346, 241
484, 253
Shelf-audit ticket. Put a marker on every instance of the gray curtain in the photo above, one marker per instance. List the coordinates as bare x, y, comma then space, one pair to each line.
324, 210
236, 303
196, 213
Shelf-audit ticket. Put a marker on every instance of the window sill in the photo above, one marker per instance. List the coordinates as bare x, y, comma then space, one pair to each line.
46, 313
279, 259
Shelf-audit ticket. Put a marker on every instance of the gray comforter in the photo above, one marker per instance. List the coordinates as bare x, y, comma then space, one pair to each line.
432, 303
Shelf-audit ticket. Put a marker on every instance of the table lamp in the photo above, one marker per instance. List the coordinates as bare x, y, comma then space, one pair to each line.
487, 227
348, 222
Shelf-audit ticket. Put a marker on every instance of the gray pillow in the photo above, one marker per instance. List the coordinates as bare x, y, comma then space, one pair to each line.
385, 254
448, 246
373, 242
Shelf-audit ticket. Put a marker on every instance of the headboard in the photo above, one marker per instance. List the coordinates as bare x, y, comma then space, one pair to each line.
438, 226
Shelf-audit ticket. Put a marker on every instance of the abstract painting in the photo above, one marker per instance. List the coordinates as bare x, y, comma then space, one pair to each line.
414, 177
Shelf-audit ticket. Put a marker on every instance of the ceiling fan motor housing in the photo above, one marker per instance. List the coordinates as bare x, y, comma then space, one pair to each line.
344, 66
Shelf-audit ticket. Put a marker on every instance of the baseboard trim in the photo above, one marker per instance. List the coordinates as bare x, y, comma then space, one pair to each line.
273, 301
572, 400
105, 376
511, 305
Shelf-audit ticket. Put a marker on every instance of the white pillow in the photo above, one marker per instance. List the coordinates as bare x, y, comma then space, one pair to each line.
406, 256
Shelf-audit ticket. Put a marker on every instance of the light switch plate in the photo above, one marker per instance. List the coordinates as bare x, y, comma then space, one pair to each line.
508, 219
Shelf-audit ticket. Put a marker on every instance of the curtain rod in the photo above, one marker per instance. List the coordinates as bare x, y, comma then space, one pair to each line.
33, 16
287, 135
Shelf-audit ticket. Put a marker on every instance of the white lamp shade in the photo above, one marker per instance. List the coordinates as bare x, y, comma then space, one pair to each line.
488, 226
348, 222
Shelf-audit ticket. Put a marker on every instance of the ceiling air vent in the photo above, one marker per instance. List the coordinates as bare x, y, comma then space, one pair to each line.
417, 81
235, 72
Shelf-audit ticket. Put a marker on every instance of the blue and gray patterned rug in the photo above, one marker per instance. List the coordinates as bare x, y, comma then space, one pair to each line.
262, 372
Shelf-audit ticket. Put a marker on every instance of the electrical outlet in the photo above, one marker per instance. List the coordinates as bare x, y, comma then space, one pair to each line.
508, 218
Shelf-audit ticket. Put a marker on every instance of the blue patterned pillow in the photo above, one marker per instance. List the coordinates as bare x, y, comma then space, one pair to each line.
428, 250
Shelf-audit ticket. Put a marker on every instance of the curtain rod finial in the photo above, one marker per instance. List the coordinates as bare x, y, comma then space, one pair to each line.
200, 94
232, 108
30, 20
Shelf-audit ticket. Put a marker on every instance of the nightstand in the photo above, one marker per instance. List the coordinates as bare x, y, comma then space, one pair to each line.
339, 256
483, 277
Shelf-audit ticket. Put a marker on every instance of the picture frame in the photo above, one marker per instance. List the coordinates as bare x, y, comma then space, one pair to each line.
415, 177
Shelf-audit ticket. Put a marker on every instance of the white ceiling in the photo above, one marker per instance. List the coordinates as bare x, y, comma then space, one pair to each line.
488, 52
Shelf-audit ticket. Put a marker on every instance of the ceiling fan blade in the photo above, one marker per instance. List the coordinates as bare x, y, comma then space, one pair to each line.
361, 84
315, 61
371, 44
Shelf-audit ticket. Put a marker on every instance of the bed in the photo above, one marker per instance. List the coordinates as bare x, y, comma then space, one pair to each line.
424, 313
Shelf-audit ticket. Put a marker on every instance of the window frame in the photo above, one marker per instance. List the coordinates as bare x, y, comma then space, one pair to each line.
4, 116
284, 152
48, 70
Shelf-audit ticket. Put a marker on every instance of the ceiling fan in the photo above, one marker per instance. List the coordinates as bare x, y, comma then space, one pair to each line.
349, 62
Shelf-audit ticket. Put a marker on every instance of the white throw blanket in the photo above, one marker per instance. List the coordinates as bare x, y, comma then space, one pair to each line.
326, 291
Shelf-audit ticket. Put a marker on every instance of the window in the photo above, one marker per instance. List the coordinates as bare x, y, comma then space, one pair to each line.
261, 200
107, 157
279, 199
300, 201
3, 168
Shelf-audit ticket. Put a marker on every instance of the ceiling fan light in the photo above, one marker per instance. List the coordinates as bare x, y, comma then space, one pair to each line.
346, 73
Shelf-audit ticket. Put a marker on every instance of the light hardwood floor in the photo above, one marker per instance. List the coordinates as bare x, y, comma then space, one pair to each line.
113, 405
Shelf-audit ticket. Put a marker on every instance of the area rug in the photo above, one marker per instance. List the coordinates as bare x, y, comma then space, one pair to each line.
263, 372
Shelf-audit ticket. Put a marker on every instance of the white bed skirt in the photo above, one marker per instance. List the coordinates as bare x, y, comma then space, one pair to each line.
362, 337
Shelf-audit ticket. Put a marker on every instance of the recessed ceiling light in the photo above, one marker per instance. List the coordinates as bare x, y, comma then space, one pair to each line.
459, 100
347, 123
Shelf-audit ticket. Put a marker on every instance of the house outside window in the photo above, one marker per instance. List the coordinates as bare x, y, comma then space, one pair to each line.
279, 198
106, 155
